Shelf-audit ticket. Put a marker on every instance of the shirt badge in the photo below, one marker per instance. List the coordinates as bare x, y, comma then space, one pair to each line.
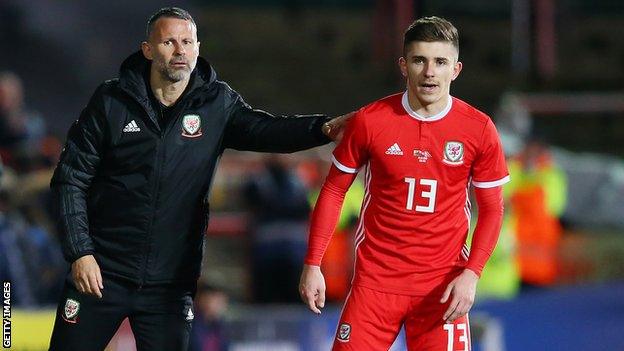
422, 156
453, 153
191, 126
70, 312
344, 332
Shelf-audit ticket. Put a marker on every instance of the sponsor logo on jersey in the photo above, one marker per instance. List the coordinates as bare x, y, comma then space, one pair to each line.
70, 312
422, 156
394, 150
344, 332
453, 153
191, 126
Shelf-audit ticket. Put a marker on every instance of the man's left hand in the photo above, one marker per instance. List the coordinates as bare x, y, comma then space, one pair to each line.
335, 127
463, 289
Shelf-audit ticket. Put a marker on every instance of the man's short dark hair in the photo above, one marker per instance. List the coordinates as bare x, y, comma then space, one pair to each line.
430, 29
169, 12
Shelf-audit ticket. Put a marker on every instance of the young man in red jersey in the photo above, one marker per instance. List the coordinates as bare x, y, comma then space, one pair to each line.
421, 151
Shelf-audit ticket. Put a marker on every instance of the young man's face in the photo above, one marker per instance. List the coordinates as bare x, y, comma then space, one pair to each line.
430, 67
173, 48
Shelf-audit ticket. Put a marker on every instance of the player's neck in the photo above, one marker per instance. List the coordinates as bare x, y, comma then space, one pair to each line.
167, 92
427, 109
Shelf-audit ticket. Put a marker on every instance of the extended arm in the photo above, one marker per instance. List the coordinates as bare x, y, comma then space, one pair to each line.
322, 226
256, 130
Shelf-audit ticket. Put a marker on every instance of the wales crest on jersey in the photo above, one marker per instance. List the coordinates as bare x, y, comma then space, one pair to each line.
191, 126
70, 312
453, 153
344, 332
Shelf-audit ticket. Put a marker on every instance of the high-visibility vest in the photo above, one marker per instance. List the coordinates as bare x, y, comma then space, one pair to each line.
500, 278
535, 200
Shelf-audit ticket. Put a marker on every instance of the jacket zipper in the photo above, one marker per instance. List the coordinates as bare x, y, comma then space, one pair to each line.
156, 187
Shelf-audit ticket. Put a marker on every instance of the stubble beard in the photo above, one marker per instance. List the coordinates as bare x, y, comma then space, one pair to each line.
174, 75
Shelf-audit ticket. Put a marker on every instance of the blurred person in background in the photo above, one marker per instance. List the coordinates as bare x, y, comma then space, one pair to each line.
21, 130
29, 251
29, 255
421, 150
278, 202
12, 259
26, 148
537, 197
12, 128
132, 185
209, 327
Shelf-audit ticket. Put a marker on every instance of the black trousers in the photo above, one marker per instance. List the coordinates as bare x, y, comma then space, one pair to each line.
160, 316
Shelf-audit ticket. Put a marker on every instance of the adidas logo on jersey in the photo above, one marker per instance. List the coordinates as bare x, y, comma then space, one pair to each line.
394, 150
131, 127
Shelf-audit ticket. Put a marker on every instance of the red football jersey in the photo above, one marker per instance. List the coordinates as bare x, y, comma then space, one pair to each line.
415, 217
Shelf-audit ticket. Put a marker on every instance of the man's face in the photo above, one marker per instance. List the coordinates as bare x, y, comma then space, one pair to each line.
173, 48
11, 94
430, 67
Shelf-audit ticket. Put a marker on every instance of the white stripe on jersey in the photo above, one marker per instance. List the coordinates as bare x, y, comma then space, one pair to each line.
464, 253
360, 234
467, 206
342, 167
491, 184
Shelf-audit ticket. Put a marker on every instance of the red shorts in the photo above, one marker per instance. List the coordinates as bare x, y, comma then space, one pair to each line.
371, 320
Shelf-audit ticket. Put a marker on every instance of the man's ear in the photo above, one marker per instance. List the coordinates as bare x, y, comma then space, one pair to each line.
403, 66
147, 50
458, 67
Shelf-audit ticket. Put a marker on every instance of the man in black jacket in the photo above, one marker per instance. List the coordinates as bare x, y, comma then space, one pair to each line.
133, 183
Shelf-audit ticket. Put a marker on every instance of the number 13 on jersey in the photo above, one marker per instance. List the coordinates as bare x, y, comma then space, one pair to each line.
428, 193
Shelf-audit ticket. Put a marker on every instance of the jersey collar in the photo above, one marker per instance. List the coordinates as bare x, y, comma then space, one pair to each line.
419, 117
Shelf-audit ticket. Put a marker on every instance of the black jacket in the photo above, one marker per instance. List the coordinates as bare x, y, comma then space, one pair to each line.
134, 194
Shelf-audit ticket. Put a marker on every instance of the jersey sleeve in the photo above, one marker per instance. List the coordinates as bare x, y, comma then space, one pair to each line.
490, 169
326, 213
489, 222
352, 151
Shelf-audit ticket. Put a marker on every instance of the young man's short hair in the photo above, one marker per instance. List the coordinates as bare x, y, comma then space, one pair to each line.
169, 12
430, 29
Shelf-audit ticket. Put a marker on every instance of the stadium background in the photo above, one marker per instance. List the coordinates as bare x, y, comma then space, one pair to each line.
550, 69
